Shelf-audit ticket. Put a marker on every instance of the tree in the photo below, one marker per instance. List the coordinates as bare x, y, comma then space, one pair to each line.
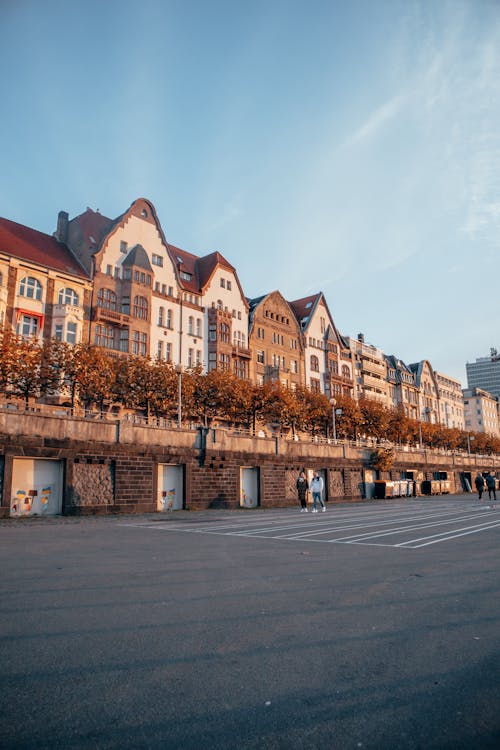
89, 374
375, 418
24, 376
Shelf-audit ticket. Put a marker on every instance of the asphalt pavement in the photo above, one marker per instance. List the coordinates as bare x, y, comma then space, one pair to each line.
373, 625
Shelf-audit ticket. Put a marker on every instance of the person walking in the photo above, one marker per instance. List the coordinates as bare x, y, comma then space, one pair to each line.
317, 492
479, 482
302, 487
491, 484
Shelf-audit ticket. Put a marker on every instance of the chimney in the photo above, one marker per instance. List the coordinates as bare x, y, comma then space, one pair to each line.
361, 338
61, 233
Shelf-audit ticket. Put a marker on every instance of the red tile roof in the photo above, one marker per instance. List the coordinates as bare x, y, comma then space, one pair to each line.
302, 307
94, 226
36, 247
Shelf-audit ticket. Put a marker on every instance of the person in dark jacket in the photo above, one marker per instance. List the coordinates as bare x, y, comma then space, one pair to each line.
302, 487
491, 484
479, 482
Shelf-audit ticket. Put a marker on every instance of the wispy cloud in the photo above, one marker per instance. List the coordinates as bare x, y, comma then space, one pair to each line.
376, 119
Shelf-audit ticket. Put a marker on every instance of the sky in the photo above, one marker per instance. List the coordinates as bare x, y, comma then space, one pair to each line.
344, 146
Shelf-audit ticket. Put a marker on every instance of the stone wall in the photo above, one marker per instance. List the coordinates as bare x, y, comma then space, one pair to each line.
114, 468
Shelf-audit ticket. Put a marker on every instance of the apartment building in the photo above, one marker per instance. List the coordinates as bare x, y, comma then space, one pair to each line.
370, 374
402, 386
276, 342
44, 291
451, 404
428, 391
327, 359
154, 299
481, 411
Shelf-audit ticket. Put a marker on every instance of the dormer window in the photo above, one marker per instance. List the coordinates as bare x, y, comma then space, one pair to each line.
185, 276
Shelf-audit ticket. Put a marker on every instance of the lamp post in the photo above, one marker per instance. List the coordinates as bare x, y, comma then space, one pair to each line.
337, 412
178, 369
333, 402
469, 440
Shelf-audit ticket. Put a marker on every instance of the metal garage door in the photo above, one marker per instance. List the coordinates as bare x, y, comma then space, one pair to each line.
170, 487
249, 482
37, 487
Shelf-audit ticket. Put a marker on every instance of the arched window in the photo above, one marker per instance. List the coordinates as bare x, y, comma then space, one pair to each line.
191, 325
314, 363
161, 316
107, 299
141, 308
30, 287
67, 297
219, 304
346, 373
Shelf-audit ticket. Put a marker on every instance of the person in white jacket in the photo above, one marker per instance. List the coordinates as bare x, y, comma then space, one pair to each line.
317, 491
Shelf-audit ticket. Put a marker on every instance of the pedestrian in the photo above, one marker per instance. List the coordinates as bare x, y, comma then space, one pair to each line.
317, 492
491, 484
302, 487
479, 482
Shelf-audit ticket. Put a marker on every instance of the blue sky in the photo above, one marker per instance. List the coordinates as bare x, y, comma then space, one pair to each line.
350, 147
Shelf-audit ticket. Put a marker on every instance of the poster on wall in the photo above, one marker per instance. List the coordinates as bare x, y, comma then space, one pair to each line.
33, 501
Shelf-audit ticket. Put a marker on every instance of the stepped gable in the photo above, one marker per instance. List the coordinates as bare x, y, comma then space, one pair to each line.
36, 247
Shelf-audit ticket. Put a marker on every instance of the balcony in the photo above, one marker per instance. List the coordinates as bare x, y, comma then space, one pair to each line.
370, 366
241, 351
110, 316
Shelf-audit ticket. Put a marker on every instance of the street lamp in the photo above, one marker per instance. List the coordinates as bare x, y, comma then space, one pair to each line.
337, 412
469, 440
178, 369
333, 402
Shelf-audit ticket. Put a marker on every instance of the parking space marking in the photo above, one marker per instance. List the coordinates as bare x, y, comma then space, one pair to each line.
372, 525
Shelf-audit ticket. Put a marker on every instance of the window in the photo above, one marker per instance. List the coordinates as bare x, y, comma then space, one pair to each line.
293, 366
127, 274
322, 324
190, 325
109, 270
106, 299
239, 315
59, 332
124, 340
168, 352
139, 343
185, 276
314, 363
123, 247
161, 316
67, 297
346, 373
71, 333
212, 332
198, 357
315, 385
169, 319
159, 352
170, 291
136, 275
141, 308
228, 285
156, 260
104, 336
260, 333
198, 327
223, 283
260, 357
126, 305
190, 358
30, 287
224, 333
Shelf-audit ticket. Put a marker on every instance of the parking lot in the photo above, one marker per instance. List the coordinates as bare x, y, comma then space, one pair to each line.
414, 524
373, 625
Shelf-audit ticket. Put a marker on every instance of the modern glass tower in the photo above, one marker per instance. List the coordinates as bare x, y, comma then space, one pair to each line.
485, 373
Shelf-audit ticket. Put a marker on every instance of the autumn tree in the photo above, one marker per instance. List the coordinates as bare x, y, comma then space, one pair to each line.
89, 375
375, 418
